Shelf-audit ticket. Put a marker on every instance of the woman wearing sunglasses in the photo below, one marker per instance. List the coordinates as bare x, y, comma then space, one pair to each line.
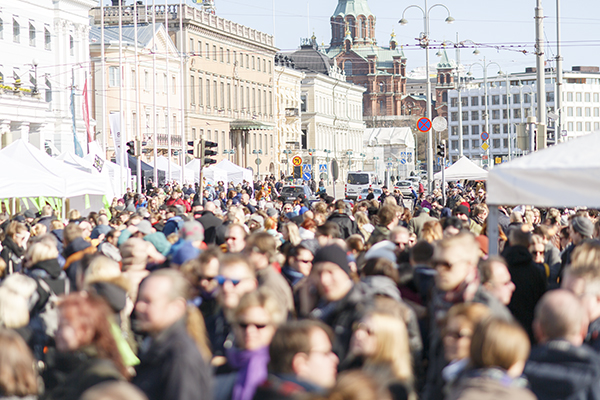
255, 321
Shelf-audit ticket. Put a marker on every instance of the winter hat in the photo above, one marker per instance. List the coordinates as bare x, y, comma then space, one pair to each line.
29, 213
192, 231
461, 210
160, 242
258, 219
334, 254
583, 226
271, 212
144, 227
384, 249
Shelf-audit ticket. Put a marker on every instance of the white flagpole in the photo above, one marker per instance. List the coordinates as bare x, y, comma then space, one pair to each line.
123, 123
154, 91
181, 96
137, 133
168, 87
103, 86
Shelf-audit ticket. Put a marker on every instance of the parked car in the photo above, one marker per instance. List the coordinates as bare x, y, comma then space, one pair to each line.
291, 192
363, 194
406, 187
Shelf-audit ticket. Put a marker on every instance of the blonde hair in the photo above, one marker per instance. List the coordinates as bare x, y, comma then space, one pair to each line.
14, 311
74, 215
38, 230
293, 233
432, 231
20, 285
498, 343
466, 241
263, 298
41, 251
101, 269
18, 375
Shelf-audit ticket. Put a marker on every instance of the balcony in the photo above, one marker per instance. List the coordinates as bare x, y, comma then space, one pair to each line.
163, 141
292, 114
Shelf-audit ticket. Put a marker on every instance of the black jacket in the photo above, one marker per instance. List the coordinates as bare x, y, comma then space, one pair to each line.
12, 254
559, 370
530, 285
347, 225
51, 272
342, 314
210, 223
172, 368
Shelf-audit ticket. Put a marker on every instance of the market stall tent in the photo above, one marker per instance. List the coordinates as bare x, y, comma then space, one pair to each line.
30, 181
462, 169
235, 173
212, 175
162, 163
565, 175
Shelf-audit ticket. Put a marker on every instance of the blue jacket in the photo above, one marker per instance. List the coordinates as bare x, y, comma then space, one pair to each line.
173, 225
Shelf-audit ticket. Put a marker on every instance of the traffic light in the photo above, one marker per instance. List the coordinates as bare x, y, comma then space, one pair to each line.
441, 150
193, 148
130, 148
206, 153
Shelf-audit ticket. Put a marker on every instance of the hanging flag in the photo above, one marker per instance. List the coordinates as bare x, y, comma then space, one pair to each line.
78, 149
86, 114
115, 129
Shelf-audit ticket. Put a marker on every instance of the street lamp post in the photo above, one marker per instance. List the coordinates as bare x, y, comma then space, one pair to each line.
376, 172
349, 155
229, 153
312, 162
35, 64
287, 153
328, 152
258, 161
424, 43
487, 107
363, 155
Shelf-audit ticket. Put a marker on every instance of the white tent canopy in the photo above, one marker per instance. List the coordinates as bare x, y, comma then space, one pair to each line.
30, 181
565, 175
110, 168
235, 173
462, 169
162, 163
77, 182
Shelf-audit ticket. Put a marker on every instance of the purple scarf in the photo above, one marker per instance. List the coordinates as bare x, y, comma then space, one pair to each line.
252, 370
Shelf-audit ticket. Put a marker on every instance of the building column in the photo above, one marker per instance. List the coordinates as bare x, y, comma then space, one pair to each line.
24, 131
5, 133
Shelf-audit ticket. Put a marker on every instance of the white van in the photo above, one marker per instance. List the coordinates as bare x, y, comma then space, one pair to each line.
359, 180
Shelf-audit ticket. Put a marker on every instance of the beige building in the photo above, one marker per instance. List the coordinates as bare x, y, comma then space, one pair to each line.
138, 105
228, 80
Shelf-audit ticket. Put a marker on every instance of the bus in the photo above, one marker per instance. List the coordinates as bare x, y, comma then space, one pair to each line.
359, 180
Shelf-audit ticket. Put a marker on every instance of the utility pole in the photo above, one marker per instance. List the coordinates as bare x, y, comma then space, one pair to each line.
559, 79
541, 75
458, 88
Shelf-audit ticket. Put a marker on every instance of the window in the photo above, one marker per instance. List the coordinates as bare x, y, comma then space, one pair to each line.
146, 81
504, 99
32, 35
496, 143
465, 144
269, 66
474, 115
114, 79
516, 113
596, 112
235, 57
495, 100
517, 98
222, 96
258, 64
133, 80
199, 53
215, 94
527, 98
348, 67
214, 52
220, 54
474, 101
588, 126
71, 46
505, 143
504, 114
550, 96
465, 130
241, 59
207, 50
191, 49
465, 115
505, 128
588, 112
454, 145
465, 102
253, 63
47, 39
495, 128
453, 116
200, 94
569, 111
578, 96
588, 97
303, 103
569, 96
264, 65
483, 101
207, 93
596, 97
229, 96
16, 31
578, 112
165, 83
454, 102
174, 80
192, 90
579, 127
496, 114
454, 130
570, 126
1, 29
48, 91
475, 130
475, 143
228, 57
596, 126
247, 61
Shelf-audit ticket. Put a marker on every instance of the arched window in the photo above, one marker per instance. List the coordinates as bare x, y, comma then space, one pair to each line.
348, 67
382, 87
363, 24
444, 97
382, 110
442, 78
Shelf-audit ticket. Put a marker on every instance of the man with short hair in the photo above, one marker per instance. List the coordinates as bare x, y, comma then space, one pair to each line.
210, 222
415, 225
171, 365
343, 301
174, 221
245, 202
46, 217
387, 220
581, 229
562, 367
235, 238
301, 361
496, 279
339, 216
191, 237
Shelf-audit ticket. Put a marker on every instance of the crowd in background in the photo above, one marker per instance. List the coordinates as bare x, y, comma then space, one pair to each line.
237, 293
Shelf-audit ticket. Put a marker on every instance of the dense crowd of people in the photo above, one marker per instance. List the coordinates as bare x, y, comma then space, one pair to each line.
235, 292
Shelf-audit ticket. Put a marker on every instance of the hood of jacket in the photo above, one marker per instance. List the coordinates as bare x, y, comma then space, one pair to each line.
115, 295
12, 246
51, 267
382, 285
517, 255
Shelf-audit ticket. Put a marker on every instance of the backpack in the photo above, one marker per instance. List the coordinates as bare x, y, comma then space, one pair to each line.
45, 320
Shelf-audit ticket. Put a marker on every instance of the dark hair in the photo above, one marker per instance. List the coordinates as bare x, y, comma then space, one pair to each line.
380, 266
290, 339
329, 229
386, 214
454, 222
421, 252
172, 209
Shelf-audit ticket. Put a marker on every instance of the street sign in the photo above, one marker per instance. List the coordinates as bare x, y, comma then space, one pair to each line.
323, 168
403, 161
498, 160
485, 136
424, 124
297, 160
307, 167
258, 161
484, 157
439, 124
485, 146
306, 175
389, 165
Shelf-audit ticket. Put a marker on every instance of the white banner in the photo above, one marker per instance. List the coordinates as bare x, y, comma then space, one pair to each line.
115, 129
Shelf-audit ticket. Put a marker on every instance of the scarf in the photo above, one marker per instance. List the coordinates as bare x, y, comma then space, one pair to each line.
442, 301
252, 370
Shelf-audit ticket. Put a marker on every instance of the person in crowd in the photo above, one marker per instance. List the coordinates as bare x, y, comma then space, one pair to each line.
562, 367
346, 224
255, 321
202, 272
210, 223
342, 301
114, 391
580, 230
421, 216
235, 238
388, 219
496, 278
298, 264
190, 245
301, 360
498, 352
174, 221
14, 246
87, 352
19, 378
528, 277
171, 363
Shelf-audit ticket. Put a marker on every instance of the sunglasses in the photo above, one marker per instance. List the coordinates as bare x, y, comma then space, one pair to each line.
245, 325
535, 253
221, 280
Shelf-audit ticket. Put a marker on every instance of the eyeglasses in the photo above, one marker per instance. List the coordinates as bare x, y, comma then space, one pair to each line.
463, 333
222, 279
536, 253
245, 325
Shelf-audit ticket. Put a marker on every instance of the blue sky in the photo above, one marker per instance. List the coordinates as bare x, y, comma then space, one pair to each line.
491, 23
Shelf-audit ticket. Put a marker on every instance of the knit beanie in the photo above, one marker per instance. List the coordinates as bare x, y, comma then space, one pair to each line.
583, 226
334, 254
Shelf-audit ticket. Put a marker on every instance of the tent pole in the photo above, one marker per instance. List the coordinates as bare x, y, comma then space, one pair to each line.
492, 230
13, 209
64, 211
